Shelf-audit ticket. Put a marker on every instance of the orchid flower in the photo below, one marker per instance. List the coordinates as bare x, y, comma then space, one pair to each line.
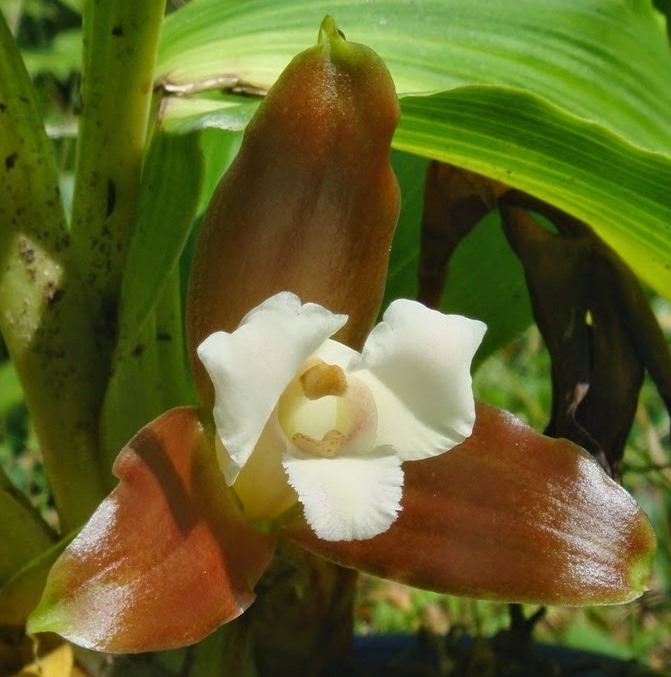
300, 416
508, 514
288, 416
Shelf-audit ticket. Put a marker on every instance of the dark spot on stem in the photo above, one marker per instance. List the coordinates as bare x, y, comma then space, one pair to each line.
3, 107
117, 31
163, 336
138, 350
26, 251
53, 294
111, 197
10, 161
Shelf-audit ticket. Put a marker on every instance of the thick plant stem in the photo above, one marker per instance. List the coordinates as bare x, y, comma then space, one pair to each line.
42, 315
120, 46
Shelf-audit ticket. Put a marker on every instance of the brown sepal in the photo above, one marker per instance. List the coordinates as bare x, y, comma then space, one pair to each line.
310, 203
165, 559
508, 515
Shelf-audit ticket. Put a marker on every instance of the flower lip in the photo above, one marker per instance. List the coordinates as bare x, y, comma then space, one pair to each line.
328, 446
325, 412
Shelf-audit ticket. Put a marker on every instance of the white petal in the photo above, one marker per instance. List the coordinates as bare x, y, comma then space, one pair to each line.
348, 498
417, 364
251, 367
333, 352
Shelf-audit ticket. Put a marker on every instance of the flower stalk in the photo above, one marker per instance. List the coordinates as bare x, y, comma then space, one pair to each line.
120, 48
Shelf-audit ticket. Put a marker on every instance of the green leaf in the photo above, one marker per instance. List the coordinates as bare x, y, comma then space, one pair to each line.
598, 59
169, 194
485, 280
521, 140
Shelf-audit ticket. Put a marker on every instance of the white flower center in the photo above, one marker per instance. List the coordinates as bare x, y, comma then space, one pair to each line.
325, 412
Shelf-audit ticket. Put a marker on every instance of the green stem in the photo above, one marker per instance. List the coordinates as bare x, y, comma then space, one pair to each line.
42, 318
120, 46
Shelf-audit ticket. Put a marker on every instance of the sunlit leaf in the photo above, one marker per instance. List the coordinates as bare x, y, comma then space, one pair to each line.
620, 190
509, 515
574, 53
